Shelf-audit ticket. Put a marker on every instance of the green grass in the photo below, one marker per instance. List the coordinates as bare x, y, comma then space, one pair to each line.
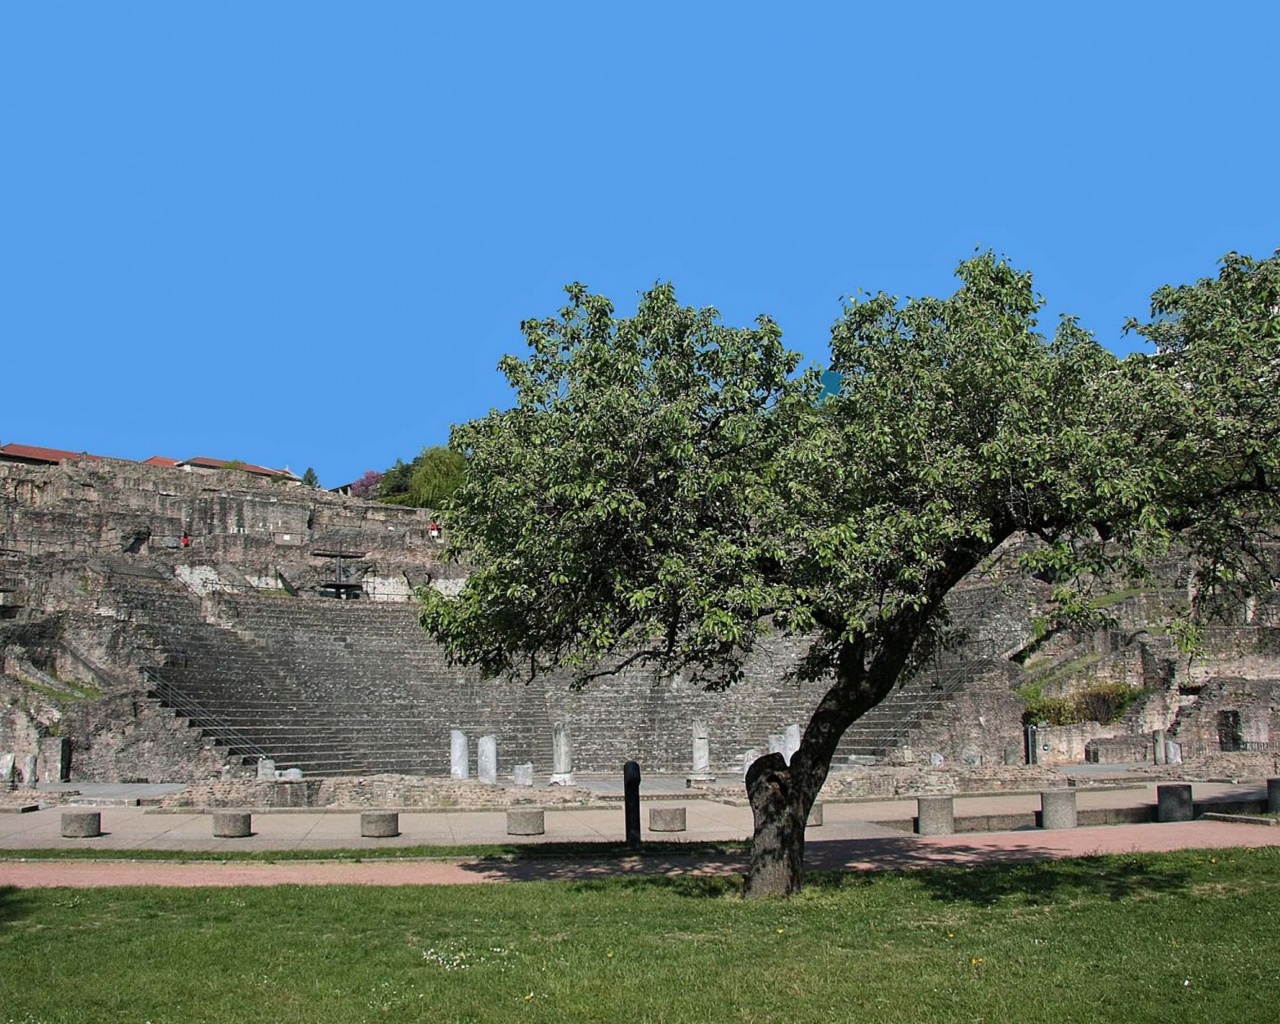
1189, 936
512, 851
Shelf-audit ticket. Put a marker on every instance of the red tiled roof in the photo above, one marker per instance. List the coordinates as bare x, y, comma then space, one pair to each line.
204, 462
160, 460
38, 454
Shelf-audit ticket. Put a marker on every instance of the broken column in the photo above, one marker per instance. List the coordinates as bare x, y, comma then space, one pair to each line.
561, 757
790, 741
701, 754
487, 759
459, 755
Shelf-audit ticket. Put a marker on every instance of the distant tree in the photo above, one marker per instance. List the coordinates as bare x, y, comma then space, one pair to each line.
310, 479
666, 490
367, 485
437, 474
394, 486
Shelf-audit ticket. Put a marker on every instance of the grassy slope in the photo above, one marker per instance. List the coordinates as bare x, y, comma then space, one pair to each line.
1191, 936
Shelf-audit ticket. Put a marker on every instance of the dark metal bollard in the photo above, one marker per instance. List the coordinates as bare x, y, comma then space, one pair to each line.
631, 800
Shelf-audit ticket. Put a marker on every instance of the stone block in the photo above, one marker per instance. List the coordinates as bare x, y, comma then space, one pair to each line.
266, 769
815, 816
1058, 808
379, 824
1173, 802
935, 816
232, 824
526, 821
81, 824
666, 819
523, 775
1273, 796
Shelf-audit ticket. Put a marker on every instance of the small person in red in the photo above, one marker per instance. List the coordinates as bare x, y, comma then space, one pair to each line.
434, 530
186, 539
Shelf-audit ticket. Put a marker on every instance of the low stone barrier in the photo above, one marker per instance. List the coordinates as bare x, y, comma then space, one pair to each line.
232, 825
81, 824
666, 819
1058, 808
526, 821
1174, 803
379, 824
935, 816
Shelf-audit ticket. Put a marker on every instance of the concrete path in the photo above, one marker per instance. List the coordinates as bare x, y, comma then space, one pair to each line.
851, 838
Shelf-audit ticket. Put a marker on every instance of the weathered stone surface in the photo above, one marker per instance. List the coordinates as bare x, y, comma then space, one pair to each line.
1058, 808
379, 824
526, 821
522, 775
459, 755
935, 816
487, 759
815, 816
232, 825
81, 824
561, 756
29, 769
1174, 803
666, 819
7, 762
266, 769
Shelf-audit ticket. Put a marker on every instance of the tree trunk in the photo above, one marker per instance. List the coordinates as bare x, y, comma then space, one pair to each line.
780, 808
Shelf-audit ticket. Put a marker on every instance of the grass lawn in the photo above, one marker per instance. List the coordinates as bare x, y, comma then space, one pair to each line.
1188, 936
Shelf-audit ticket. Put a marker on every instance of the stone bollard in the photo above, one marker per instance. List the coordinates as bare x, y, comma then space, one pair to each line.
631, 803
526, 821
1273, 796
666, 819
232, 824
1173, 802
379, 824
815, 816
81, 824
1058, 808
935, 816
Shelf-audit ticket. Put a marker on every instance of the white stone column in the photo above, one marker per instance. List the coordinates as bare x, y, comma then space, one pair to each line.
487, 759
561, 756
459, 755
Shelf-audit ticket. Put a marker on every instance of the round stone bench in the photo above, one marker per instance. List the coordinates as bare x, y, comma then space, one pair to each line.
666, 819
935, 816
232, 824
379, 824
815, 816
526, 821
81, 824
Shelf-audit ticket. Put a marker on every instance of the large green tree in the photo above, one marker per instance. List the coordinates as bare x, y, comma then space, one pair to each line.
666, 489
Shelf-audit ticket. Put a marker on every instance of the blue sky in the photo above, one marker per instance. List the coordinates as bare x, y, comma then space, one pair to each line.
304, 234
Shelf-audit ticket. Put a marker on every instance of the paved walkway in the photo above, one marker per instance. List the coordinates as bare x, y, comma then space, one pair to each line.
852, 837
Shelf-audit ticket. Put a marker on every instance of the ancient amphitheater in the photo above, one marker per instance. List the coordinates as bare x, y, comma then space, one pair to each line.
175, 626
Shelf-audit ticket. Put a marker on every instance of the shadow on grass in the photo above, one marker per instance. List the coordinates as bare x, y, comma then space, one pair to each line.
1035, 883
14, 903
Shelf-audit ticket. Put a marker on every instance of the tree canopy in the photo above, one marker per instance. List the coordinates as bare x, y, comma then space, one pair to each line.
427, 482
667, 489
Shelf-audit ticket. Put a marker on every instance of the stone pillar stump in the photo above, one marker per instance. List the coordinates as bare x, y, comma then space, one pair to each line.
815, 816
232, 824
1173, 802
935, 816
1058, 808
81, 824
526, 821
666, 819
379, 824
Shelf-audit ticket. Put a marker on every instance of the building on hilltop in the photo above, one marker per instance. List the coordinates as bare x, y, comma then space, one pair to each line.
34, 455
